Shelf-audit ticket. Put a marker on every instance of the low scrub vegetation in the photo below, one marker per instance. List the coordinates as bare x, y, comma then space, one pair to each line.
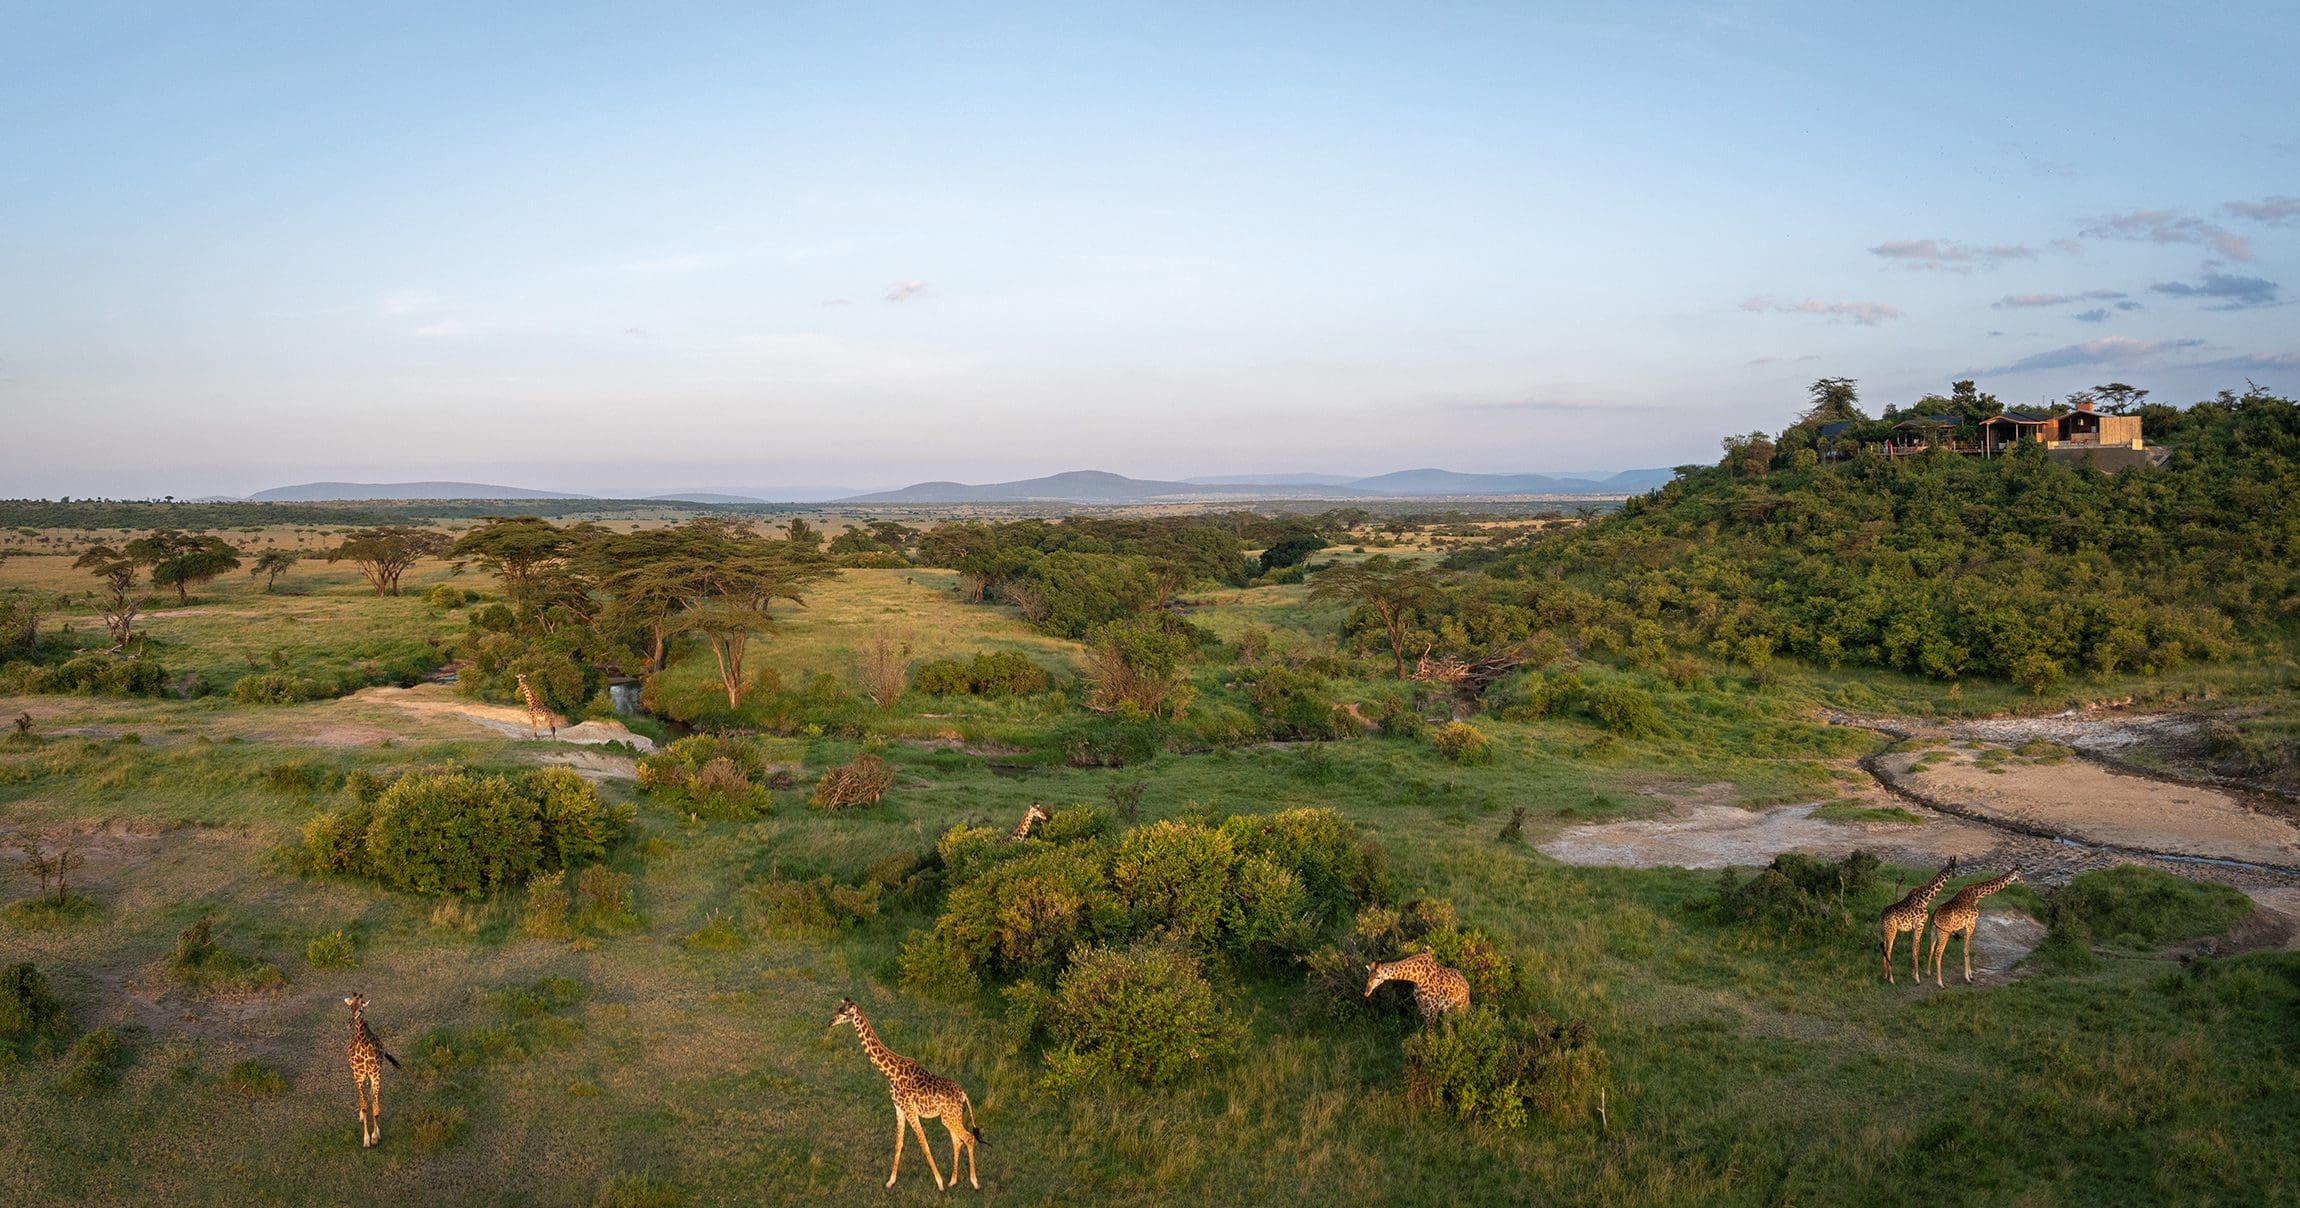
450, 831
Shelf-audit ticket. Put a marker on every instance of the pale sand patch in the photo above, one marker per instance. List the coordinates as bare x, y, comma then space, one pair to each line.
440, 700
2090, 803
1716, 836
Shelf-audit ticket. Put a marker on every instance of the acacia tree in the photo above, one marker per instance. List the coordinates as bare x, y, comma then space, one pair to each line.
514, 548
272, 563
182, 560
118, 573
725, 600
384, 553
1389, 588
642, 603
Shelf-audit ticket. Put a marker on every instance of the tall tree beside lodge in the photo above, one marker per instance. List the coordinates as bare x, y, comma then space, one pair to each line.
118, 572
383, 553
182, 560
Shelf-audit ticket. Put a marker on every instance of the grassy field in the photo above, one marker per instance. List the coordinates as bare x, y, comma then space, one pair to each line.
1747, 1065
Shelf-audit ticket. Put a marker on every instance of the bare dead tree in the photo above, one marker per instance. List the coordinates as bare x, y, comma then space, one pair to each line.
885, 668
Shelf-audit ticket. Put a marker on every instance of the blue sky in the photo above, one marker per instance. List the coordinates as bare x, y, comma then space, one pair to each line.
689, 245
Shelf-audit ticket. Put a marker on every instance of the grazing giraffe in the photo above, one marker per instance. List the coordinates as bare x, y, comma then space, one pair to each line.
1437, 988
1030, 817
1963, 913
367, 1073
917, 1095
1908, 915
537, 715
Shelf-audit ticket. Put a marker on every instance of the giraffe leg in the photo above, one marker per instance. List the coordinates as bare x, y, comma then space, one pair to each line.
918, 1124
969, 1162
899, 1124
379, 1107
1916, 944
1891, 933
1940, 945
1969, 951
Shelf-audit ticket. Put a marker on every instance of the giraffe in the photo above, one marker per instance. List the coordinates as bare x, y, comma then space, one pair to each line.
1030, 817
1437, 988
537, 715
1908, 915
1963, 913
917, 1095
367, 1073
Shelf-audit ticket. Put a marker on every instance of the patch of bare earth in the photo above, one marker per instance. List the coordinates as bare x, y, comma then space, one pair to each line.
2092, 804
441, 701
1704, 829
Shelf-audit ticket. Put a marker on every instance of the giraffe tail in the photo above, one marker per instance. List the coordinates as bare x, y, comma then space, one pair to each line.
973, 1126
388, 1057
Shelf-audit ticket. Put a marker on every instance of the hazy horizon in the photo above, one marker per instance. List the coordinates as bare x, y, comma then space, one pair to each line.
868, 246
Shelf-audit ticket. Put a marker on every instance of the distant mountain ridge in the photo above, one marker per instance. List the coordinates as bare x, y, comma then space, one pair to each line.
313, 492
1099, 486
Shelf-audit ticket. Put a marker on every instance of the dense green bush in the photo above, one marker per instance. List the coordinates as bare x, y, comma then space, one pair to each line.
1256, 888
334, 950
99, 675
32, 1023
96, 1061
1294, 706
459, 832
1462, 742
713, 777
991, 673
2143, 909
278, 689
1796, 893
1143, 1014
1506, 1071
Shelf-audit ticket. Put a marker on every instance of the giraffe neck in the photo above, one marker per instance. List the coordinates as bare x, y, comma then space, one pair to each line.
1932, 888
874, 1048
1991, 885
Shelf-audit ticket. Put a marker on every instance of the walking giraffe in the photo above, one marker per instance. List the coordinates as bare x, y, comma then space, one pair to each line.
367, 1073
1963, 913
1908, 915
537, 715
917, 1095
1437, 988
1030, 817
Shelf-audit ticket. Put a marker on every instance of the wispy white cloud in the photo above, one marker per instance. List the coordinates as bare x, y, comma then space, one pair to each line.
904, 291
2257, 362
2108, 350
1949, 255
2230, 292
1867, 314
2019, 301
2167, 226
2275, 211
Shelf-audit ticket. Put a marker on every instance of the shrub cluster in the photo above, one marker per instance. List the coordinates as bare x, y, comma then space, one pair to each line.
94, 674
1506, 1071
1293, 705
999, 673
1141, 1013
2141, 909
203, 965
723, 779
32, 1023
1337, 971
1462, 742
451, 831
1796, 893
1255, 888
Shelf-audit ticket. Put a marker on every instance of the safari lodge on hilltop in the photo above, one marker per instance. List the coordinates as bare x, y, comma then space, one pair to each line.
2112, 441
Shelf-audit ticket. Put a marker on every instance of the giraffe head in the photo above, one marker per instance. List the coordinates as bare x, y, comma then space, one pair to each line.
357, 1003
1035, 814
1375, 976
848, 1014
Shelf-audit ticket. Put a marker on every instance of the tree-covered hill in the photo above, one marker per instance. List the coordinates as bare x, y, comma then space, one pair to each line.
2025, 566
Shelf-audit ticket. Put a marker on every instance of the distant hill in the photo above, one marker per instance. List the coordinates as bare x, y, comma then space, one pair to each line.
312, 492
705, 497
1289, 480
1096, 486
1076, 486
